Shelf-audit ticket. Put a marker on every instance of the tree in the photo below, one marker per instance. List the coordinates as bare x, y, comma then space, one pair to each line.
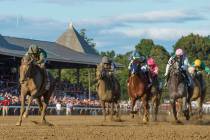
90, 41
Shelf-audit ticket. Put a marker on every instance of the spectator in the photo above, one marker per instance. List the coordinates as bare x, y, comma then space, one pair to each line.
5, 108
69, 107
58, 108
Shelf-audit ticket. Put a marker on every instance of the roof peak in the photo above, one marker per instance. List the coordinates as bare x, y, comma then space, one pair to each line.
70, 25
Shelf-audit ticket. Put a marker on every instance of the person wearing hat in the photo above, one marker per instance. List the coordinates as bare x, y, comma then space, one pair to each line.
199, 68
183, 66
105, 68
39, 55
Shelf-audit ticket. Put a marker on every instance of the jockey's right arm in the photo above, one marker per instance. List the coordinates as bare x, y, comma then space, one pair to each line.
170, 62
129, 65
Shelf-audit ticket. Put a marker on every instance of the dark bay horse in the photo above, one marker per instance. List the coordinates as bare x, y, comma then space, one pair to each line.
155, 95
178, 90
137, 88
32, 80
109, 92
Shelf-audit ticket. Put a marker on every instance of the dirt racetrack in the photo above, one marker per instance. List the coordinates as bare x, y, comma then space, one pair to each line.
92, 127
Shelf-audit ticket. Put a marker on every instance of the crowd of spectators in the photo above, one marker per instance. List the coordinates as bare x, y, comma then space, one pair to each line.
75, 94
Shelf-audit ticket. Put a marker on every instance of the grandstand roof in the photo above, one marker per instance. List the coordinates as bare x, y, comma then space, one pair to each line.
13, 46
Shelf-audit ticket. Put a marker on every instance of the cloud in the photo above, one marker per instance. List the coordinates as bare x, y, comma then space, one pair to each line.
156, 33
37, 28
170, 16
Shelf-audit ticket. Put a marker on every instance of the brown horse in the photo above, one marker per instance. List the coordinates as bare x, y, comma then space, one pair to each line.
137, 88
109, 92
198, 92
155, 97
32, 80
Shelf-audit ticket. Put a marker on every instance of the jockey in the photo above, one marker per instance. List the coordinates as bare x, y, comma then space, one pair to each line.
39, 56
144, 67
199, 68
106, 68
183, 66
153, 68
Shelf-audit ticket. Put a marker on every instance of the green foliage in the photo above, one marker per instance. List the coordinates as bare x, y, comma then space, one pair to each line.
90, 41
111, 54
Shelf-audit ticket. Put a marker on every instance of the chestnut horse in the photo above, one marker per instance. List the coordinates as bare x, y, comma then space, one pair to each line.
32, 80
137, 88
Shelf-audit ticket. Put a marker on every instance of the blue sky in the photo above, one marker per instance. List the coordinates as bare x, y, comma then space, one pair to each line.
113, 24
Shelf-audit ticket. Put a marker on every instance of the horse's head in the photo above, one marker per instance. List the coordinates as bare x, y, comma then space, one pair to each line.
25, 68
175, 69
135, 68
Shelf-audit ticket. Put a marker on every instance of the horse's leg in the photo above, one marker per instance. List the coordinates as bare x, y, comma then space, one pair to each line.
186, 108
112, 110
45, 104
103, 109
118, 111
28, 107
22, 110
200, 103
173, 104
39, 102
133, 102
145, 101
156, 105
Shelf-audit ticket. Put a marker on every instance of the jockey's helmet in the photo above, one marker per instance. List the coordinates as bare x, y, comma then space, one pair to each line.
33, 49
105, 60
179, 52
197, 63
135, 55
150, 61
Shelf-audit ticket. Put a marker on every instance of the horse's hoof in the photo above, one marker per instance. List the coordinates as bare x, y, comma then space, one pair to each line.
25, 115
145, 120
132, 116
179, 122
18, 124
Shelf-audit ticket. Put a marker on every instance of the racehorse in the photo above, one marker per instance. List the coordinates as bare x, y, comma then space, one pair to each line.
137, 88
32, 83
178, 89
198, 91
155, 94
109, 92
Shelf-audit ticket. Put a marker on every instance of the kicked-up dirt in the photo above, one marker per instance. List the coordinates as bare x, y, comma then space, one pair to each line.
94, 128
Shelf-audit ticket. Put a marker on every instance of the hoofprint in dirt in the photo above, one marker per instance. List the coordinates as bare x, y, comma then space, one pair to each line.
92, 127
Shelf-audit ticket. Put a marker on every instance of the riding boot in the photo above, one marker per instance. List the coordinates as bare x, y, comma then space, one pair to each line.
149, 78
